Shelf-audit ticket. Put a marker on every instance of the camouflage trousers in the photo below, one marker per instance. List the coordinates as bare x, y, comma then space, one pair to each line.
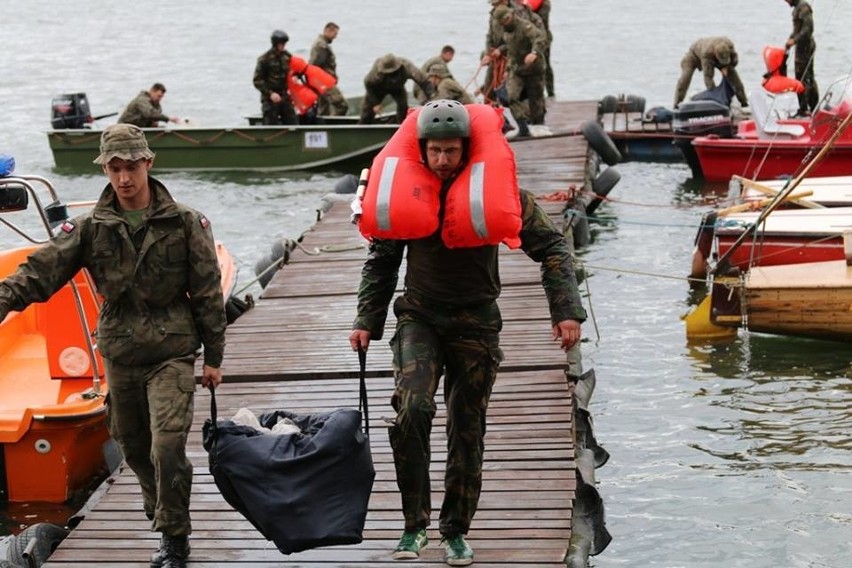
280, 113
804, 69
373, 97
149, 414
332, 103
527, 89
463, 345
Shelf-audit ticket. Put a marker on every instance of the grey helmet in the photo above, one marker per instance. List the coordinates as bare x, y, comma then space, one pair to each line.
443, 118
279, 36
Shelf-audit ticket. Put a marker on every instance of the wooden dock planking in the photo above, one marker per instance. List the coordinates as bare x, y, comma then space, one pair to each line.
291, 352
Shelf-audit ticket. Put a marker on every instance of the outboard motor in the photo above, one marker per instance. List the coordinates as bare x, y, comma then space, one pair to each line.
700, 118
70, 111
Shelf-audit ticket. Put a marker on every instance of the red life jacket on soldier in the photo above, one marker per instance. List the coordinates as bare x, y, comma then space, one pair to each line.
482, 206
534, 4
773, 80
306, 83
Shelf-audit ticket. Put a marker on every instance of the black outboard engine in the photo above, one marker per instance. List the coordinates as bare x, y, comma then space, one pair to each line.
700, 118
70, 111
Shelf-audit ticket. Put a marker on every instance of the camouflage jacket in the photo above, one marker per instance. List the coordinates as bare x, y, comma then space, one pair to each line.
703, 52
161, 301
431, 61
452, 278
322, 56
522, 40
143, 112
494, 37
803, 25
451, 89
270, 73
376, 80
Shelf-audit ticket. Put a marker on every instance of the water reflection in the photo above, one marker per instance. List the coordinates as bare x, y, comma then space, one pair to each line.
782, 403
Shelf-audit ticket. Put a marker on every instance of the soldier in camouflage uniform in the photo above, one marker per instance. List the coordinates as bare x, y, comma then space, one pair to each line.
145, 110
270, 78
525, 45
495, 46
445, 86
154, 262
448, 322
803, 39
544, 13
709, 54
448, 52
387, 77
332, 102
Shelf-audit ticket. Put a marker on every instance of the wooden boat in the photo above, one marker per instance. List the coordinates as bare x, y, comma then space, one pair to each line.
53, 436
806, 300
770, 147
833, 191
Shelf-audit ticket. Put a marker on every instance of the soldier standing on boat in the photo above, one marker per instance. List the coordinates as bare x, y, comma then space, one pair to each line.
270, 78
332, 102
154, 261
145, 110
448, 323
525, 45
388, 77
802, 39
445, 86
709, 54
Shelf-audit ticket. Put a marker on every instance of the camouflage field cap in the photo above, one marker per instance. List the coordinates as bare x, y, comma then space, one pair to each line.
125, 141
389, 63
500, 13
439, 70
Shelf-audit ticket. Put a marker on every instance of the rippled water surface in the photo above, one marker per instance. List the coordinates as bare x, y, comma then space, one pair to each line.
735, 454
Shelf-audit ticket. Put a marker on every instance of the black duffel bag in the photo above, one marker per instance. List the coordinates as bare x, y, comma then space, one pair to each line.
302, 490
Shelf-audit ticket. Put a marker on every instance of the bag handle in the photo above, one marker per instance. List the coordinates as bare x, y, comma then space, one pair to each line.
362, 402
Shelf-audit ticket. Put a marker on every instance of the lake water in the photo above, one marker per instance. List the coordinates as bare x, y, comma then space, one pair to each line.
735, 454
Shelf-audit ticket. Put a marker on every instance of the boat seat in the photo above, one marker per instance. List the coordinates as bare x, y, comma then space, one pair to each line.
768, 108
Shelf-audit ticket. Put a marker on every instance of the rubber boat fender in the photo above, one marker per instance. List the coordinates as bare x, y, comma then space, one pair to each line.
235, 307
703, 245
482, 207
266, 267
347, 184
576, 221
601, 186
600, 142
608, 104
34, 545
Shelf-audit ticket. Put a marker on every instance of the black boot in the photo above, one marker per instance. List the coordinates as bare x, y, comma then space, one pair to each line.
173, 552
523, 129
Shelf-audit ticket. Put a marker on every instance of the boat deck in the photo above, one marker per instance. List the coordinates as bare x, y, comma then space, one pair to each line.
291, 352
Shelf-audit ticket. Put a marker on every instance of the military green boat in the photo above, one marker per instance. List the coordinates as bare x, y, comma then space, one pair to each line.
341, 146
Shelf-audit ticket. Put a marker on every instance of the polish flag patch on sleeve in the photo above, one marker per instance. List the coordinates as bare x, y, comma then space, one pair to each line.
68, 226
204, 222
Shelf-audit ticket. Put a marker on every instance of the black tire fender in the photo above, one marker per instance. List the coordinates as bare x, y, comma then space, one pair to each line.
608, 104
47, 537
600, 142
601, 186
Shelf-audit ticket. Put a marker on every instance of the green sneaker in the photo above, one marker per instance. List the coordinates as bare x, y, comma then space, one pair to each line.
410, 545
459, 552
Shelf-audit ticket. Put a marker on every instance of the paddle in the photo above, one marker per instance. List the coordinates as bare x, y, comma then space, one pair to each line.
100, 116
771, 191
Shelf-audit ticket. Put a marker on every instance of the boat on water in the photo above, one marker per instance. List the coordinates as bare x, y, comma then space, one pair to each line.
54, 440
773, 145
832, 191
340, 145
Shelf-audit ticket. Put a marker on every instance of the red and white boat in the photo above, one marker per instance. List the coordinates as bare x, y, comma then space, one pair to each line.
772, 145
833, 191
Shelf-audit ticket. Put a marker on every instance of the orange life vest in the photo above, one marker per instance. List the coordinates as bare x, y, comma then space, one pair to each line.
482, 206
774, 81
306, 83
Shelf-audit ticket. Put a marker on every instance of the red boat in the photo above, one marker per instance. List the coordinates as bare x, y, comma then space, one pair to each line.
791, 236
771, 145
